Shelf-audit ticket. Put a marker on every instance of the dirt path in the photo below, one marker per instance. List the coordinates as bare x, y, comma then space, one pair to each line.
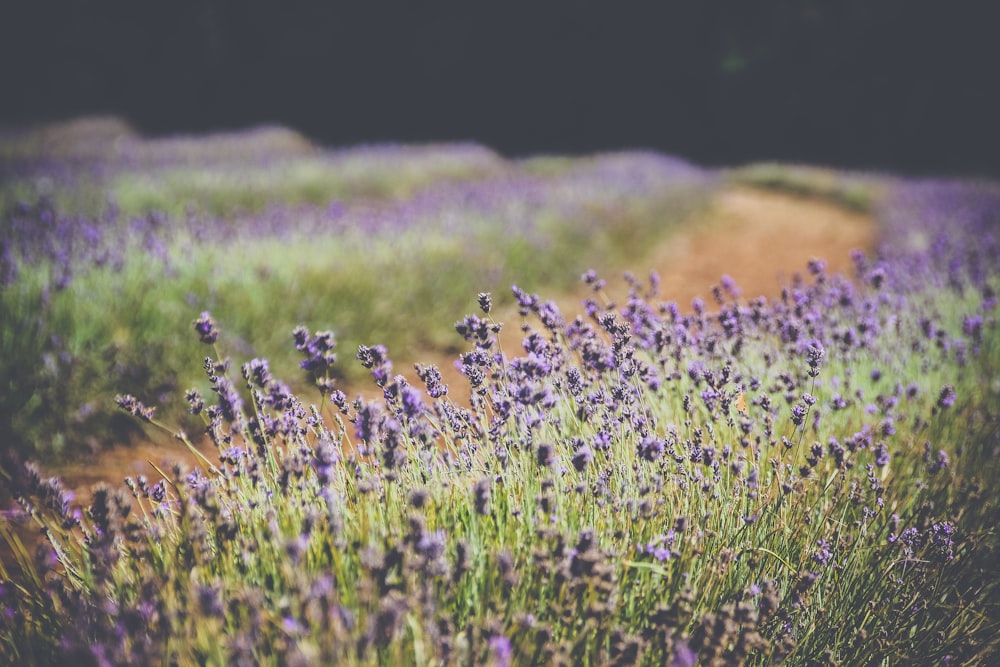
760, 239
757, 237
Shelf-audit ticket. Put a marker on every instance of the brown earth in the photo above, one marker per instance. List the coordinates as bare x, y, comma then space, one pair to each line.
757, 237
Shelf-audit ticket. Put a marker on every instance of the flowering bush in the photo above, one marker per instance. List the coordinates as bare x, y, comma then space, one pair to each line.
810, 480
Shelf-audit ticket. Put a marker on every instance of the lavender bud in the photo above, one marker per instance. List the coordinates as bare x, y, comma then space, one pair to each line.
947, 396
485, 302
134, 407
205, 326
482, 494
545, 454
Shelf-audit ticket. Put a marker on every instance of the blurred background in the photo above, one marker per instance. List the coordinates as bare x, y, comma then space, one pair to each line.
890, 84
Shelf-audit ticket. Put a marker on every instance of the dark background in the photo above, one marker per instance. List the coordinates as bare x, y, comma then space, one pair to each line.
904, 85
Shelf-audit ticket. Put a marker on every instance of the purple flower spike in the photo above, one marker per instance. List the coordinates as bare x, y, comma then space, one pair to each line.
684, 655
431, 377
946, 398
482, 494
582, 458
651, 448
475, 330
814, 356
134, 407
823, 555
205, 326
485, 302
501, 650
317, 349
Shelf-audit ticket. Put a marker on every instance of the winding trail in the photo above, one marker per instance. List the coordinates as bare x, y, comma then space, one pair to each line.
759, 238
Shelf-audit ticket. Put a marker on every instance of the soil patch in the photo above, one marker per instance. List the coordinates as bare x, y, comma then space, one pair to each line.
760, 239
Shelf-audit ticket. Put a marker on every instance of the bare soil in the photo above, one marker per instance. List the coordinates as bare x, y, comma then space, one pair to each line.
759, 238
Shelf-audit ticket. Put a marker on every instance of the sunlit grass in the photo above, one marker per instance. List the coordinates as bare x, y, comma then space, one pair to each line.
856, 191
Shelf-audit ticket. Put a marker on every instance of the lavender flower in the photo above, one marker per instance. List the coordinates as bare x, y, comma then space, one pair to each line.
376, 358
134, 407
545, 454
195, 402
317, 350
582, 457
823, 555
651, 448
799, 411
947, 396
431, 377
815, 354
485, 302
500, 651
205, 327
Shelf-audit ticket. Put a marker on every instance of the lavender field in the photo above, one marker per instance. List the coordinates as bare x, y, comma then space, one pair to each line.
112, 241
808, 479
